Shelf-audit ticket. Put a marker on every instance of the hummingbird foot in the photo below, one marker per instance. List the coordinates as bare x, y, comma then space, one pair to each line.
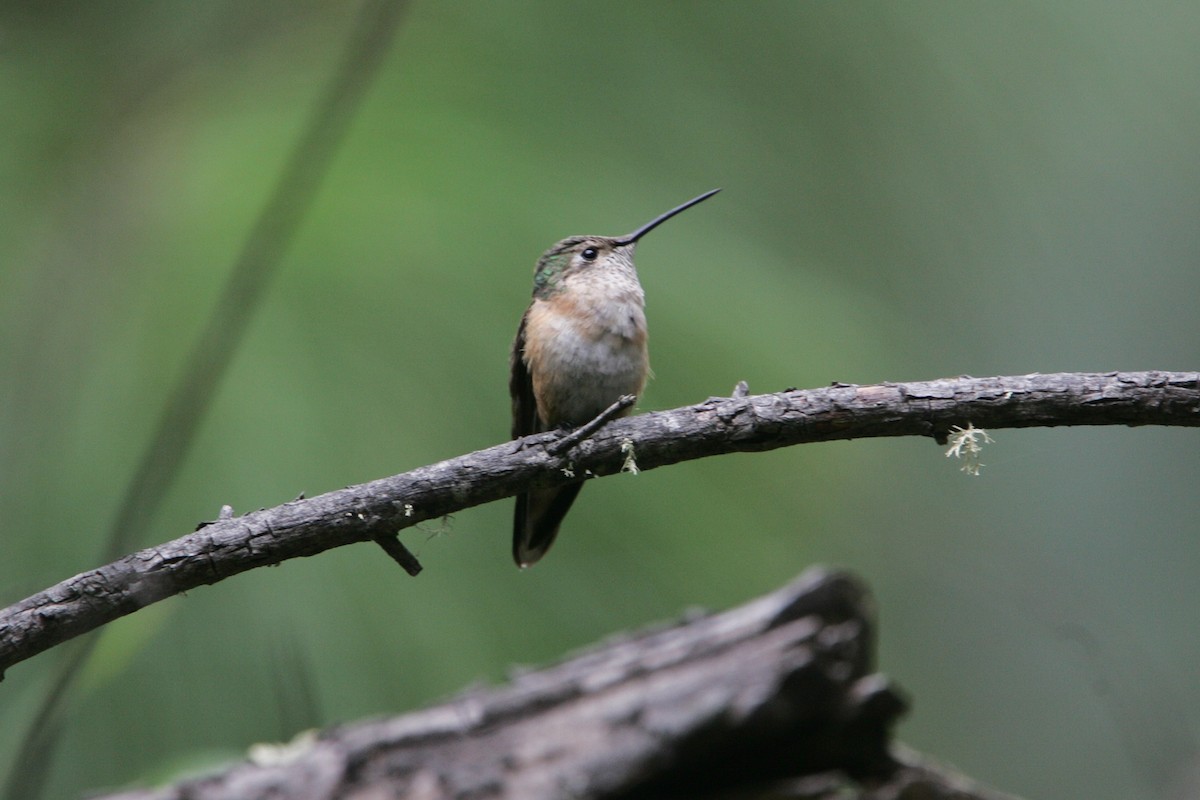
573, 438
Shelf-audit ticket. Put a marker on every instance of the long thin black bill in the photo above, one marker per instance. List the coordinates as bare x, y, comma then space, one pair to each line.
661, 218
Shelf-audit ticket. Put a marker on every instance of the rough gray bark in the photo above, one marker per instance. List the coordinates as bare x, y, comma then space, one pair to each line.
377, 510
775, 699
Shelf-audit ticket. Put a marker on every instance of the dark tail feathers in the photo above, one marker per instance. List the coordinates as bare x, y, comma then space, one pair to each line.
536, 519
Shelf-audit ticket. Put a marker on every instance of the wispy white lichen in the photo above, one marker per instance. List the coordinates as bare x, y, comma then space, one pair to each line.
630, 464
277, 755
444, 527
966, 444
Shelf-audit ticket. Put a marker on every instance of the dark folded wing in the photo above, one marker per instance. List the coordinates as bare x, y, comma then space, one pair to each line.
520, 387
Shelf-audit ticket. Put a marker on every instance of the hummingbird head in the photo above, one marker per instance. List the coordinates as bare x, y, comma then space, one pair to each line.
578, 254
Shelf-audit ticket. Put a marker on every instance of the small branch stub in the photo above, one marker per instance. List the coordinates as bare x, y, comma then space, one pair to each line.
400, 554
576, 436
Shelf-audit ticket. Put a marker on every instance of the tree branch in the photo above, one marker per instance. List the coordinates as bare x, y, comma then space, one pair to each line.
382, 507
774, 699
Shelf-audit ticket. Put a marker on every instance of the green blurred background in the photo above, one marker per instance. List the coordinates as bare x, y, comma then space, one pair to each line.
911, 191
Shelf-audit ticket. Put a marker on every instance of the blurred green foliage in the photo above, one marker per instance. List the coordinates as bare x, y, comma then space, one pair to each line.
912, 191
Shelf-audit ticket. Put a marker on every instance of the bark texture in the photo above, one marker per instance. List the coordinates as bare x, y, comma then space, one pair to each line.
776, 699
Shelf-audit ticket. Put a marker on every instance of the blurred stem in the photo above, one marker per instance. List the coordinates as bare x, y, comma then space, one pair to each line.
201, 374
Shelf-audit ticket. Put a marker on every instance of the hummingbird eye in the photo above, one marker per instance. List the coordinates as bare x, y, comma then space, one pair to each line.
589, 254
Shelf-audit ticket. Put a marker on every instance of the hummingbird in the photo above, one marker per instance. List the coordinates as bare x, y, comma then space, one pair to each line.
580, 347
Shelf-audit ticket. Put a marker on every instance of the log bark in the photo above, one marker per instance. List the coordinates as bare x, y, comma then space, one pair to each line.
775, 699
379, 509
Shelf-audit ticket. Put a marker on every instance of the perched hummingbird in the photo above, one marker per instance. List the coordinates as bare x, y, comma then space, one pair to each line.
580, 347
